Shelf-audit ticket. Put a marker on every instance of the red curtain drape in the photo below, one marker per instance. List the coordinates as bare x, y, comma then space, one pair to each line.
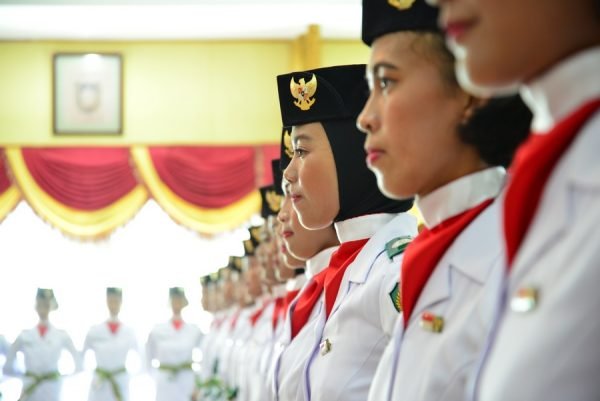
82, 178
208, 177
268, 152
89, 191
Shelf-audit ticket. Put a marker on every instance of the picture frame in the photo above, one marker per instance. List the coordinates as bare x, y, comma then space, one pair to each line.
87, 94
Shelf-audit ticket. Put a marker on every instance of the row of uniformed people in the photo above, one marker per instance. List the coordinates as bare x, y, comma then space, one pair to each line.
441, 316
340, 324
169, 344
248, 298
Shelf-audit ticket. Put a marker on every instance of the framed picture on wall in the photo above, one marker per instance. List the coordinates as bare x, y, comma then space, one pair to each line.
87, 93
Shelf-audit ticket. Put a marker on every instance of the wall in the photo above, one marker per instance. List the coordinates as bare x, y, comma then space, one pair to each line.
184, 92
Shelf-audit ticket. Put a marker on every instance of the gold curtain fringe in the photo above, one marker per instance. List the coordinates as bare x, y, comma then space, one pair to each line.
80, 224
99, 224
8, 201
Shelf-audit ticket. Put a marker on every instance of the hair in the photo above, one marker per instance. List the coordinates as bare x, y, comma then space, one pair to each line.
432, 45
498, 126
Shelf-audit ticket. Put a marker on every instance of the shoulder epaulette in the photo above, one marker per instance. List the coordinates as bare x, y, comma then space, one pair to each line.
397, 246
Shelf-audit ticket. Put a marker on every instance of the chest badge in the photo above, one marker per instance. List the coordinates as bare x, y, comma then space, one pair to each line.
325, 346
431, 322
525, 300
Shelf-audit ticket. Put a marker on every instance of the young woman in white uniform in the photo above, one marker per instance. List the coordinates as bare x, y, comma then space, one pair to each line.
42, 347
313, 249
430, 139
111, 342
329, 183
169, 349
545, 344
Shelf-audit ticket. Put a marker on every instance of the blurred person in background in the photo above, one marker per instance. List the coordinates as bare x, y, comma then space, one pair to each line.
42, 347
169, 350
111, 342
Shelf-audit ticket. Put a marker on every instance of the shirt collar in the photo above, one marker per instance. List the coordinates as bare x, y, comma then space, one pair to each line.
279, 290
320, 261
361, 227
460, 195
295, 283
562, 89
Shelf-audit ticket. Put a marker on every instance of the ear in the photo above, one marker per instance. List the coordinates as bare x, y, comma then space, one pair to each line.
473, 103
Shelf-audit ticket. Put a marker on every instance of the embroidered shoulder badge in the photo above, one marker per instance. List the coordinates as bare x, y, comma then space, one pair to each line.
395, 296
397, 246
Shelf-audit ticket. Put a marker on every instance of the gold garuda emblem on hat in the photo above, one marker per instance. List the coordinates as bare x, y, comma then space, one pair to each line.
248, 246
273, 200
255, 233
303, 92
287, 144
401, 4
235, 261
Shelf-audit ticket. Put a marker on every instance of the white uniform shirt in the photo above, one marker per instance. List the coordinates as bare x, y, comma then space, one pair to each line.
41, 357
289, 356
551, 352
216, 355
266, 364
463, 289
226, 342
173, 347
209, 346
110, 351
279, 291
256, 347
4, 347
238, 339
364, 314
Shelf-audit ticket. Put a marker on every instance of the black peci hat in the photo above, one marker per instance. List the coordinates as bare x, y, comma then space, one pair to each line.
322, 94
380, 17
48, 295
277, 176
207, 281
255, 234
271, 201
178, 292
114, 291
235, 264
249, 247
287, 151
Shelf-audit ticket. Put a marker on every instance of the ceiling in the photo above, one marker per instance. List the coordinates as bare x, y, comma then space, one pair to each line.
177, 19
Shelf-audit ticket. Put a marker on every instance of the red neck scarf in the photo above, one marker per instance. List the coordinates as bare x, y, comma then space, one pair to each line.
425, 251
113, 327
328, 280
277, 311
234, 319
258, 313
42, 329
533, 164
287, 300
177, 324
